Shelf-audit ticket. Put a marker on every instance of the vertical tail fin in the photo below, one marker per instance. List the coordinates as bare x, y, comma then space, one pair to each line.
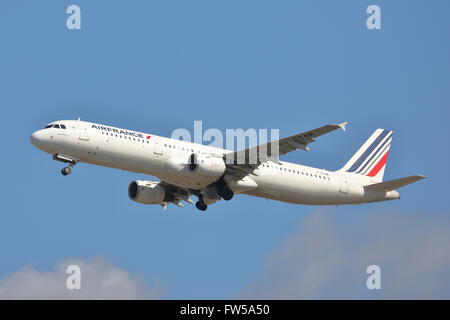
370, 159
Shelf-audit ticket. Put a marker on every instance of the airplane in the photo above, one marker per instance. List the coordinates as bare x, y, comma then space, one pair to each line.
187, 169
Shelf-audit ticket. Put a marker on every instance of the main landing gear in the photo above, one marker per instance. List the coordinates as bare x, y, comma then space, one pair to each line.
226, 193
223, 190
200, 204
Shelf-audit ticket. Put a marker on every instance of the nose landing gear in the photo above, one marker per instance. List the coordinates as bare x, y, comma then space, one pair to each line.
66, 159
66, 170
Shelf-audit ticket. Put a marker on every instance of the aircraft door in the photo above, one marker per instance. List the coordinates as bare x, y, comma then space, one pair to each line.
83, 133
344, 186
88, 143
157, 149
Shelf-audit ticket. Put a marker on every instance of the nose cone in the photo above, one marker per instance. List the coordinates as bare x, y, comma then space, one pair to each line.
37, 139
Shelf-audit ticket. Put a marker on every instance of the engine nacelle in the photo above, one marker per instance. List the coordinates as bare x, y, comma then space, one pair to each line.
146, 192
195, 172
206, 166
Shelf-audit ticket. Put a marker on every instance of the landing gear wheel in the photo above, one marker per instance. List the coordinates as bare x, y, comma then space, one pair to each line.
65, 171
200, 205
226, 194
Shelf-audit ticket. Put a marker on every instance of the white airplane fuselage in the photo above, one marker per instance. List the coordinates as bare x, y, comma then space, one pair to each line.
162, 157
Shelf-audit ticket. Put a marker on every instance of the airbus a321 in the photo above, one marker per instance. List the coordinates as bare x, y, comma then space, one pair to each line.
186, 169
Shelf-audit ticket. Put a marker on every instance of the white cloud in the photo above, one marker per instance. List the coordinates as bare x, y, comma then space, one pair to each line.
99, 280
323, 259
327, 259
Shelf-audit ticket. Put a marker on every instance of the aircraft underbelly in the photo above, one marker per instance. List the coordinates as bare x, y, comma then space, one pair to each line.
280, 187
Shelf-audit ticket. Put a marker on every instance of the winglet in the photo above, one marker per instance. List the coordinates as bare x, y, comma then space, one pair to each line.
343, 125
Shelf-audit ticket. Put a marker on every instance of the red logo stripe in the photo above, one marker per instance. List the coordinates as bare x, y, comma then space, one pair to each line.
379, 165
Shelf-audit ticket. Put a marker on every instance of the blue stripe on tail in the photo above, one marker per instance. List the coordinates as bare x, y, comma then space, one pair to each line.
375, 153
369, 150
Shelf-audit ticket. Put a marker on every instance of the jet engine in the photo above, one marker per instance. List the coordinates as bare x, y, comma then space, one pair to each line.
206, 166
148, 192
195, 172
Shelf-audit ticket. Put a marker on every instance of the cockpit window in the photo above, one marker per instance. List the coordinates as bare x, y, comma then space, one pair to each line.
57, 126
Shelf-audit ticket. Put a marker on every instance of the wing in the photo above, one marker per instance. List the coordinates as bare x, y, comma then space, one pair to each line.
244, 162
247, 160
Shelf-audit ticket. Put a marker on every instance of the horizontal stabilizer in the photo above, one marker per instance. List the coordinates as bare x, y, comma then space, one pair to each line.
393, 184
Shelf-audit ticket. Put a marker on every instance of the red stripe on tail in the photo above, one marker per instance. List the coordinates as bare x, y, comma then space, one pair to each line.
379, 165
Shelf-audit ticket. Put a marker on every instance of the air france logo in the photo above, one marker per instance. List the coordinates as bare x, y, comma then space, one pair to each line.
122, 132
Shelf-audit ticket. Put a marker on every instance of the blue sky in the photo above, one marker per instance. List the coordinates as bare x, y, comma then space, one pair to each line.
155, 66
